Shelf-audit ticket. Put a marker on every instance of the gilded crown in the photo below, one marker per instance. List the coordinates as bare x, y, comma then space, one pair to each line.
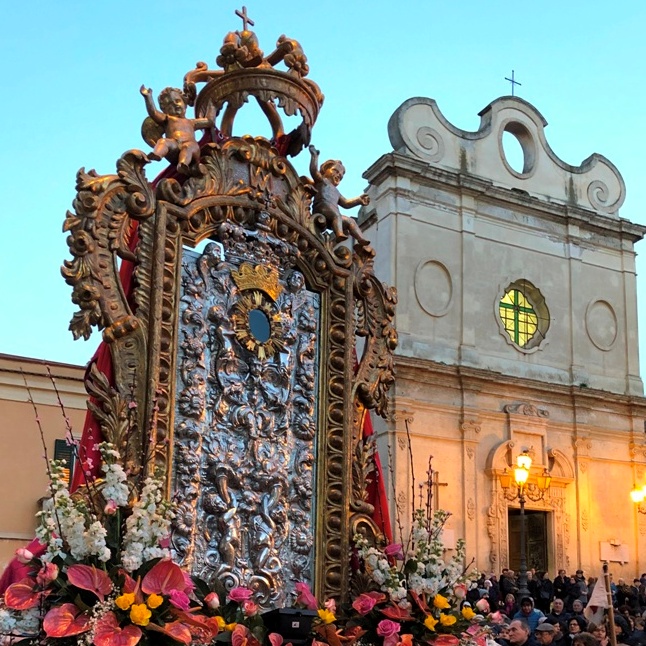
259, 277
245, 72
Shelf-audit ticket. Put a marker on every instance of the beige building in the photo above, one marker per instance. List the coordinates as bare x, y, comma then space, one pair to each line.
23, 473
517, 321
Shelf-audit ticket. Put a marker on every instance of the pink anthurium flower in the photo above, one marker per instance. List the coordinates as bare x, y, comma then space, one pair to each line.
109, 633
164, 577
65, 620
175, 630
87, 577
22, 595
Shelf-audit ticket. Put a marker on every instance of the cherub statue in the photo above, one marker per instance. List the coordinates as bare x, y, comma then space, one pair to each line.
172, 133
328, 199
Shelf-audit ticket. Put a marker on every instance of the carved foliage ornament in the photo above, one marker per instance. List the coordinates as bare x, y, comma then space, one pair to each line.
246, 197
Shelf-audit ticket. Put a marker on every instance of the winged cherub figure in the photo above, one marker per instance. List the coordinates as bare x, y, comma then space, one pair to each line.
172, 133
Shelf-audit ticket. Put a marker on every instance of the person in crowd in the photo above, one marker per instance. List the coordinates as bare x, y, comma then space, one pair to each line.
509, 608
600, 633
613, 590
545, 634
577, 608
508, 583
581, 588
575, 625
519, 634
639, 634
494, 592
622, 630
558, 611
531, 615
584, 639
544, 592
623, 594
561, 586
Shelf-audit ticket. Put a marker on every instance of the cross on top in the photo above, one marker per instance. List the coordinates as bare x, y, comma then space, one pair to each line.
511, 80
245, 18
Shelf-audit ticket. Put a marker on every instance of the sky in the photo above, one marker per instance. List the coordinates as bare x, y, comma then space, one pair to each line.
72, 72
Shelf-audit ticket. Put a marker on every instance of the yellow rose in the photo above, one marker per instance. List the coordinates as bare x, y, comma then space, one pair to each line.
430, 623
230, 627
125, 600
441, 602
139, 614
221, 623
154, 601
467, 613
326, 616
447, 620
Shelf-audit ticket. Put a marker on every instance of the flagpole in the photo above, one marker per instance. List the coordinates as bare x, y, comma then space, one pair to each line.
611, 611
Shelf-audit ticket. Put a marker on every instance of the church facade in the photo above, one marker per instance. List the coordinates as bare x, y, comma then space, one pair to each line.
517, 322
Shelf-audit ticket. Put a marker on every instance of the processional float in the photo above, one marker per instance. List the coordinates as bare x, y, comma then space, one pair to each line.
232, 344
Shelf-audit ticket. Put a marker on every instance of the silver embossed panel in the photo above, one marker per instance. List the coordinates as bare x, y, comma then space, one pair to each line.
245, 418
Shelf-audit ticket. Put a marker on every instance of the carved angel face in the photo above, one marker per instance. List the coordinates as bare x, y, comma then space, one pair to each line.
172, 103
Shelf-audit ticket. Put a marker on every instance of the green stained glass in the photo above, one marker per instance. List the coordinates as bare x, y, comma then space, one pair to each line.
518, 317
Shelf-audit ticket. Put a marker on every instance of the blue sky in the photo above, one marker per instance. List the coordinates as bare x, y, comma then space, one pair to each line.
72, 70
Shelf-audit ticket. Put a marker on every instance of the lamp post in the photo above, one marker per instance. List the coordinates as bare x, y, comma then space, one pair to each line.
637, 495
523, 490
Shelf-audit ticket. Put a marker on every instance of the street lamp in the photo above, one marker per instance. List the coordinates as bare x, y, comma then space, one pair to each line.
522, 491
637, 495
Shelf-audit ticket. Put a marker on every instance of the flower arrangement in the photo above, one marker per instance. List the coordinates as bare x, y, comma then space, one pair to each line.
104, 575
416, 593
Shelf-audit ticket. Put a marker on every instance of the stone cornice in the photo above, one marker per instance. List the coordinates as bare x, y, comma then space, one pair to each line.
488, 381
69, 381
424, 174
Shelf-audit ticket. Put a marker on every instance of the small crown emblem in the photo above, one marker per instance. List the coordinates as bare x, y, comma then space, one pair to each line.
259, 277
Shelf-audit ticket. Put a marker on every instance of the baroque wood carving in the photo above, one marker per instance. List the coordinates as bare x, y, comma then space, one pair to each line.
243, 195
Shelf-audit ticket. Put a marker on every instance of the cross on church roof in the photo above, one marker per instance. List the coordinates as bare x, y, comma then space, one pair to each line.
511, 80
245, 18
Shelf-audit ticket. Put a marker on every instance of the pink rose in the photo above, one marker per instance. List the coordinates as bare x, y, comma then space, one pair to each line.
395, 550
212, 601
388, 628
47, 574
330, 605
249, 608
24, 555
482, 605
275, 639
305, 597
240, 594
110, 508
364, 603
460, 591
179, 599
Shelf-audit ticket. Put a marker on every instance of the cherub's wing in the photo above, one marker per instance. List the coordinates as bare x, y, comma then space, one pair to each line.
151, 131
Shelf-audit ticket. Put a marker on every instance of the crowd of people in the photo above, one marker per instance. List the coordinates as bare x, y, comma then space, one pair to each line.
554, 611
